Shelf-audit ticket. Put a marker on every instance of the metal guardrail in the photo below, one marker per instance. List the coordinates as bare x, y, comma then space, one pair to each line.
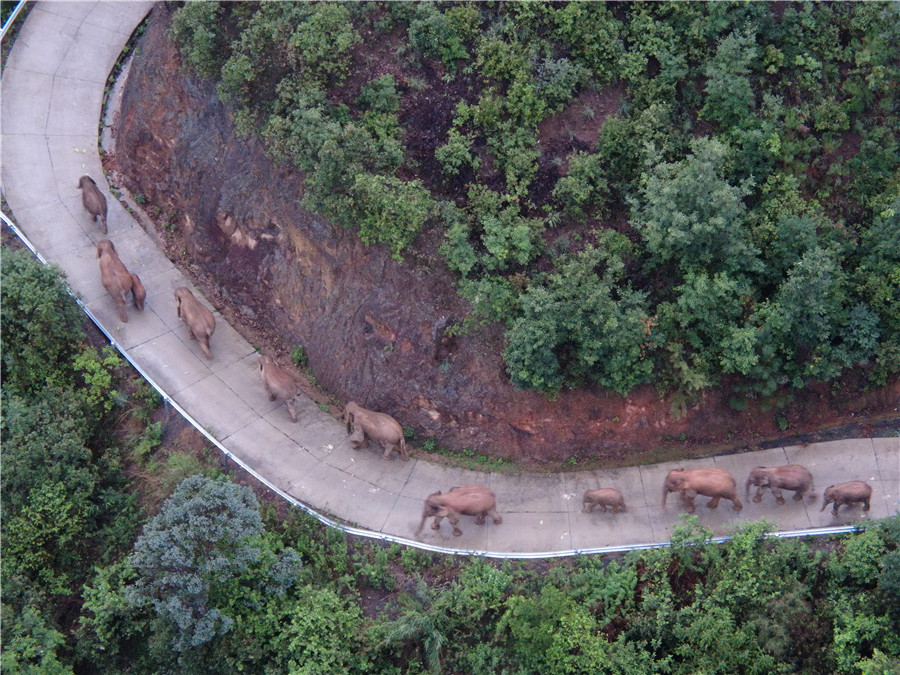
10, 20
380, 536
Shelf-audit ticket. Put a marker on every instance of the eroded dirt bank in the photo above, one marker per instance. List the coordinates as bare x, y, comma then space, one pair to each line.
375, 331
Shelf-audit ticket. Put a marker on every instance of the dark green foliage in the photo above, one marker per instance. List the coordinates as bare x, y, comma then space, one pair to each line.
435, 33
729, 93
195, 28
392, 211
691, 217
575, 327
41, 325
584, 185
201, 558
735, 139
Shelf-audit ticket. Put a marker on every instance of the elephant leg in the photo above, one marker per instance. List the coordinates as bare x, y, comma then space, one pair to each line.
757, 498
713, 503
272, 397
388, 451
291, 410
779, 498
357, 438
799, 495
119, 299
191, 334
866, 505
687, 500
479, 519
737, 504
454, 521
496, 516
436, 525
587, 507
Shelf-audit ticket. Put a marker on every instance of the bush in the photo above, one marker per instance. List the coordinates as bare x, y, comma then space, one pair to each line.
574, 328
195, 29
690, 216
392, 211
40, 325
201, 560
583, 186
320, 47
729, 95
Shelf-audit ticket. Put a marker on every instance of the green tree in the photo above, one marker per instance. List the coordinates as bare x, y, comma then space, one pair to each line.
40, 325
730, 99
584, 185
202, 554
576, 327
690, 216
392, 211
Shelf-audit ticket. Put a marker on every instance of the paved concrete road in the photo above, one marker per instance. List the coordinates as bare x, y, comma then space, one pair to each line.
52, 92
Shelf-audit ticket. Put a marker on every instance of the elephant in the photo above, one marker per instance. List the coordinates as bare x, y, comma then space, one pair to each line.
117, 280
363, 425
93, 200
279, 384
604, 497
200, 321
854, 492
788, 477
468, 500
715, 483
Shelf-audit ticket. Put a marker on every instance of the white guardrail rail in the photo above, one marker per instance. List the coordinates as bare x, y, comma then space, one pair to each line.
370, 534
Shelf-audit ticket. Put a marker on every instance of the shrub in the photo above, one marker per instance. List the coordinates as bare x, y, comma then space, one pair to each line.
583, 186
729, 95
320, 47
195, 28
40, 325
437, 36
689, 215
392, 211
456, 153
574, 328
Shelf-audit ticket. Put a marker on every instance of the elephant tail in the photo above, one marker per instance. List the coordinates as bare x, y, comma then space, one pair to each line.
665, 495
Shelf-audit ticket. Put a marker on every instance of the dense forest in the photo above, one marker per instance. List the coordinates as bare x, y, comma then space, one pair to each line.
122, 554
684, 194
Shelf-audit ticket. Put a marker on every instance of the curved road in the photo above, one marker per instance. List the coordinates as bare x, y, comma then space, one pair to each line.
52, 92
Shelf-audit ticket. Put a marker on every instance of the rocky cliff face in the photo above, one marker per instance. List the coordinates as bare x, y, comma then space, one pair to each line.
374, 330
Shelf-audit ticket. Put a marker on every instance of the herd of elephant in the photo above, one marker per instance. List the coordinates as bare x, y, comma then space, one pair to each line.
479, 501
201, 323
364, 425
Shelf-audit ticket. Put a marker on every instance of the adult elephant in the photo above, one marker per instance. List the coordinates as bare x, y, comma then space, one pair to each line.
715, 483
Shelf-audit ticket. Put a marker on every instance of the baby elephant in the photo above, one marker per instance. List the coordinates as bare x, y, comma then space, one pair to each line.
200, 321
117, 280
93, 200
788, 477
469, 500
365, 424
604, 497
279, 384
854, 492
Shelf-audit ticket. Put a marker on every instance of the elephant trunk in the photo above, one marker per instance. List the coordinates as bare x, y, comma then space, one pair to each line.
749, 481
665, 494
825, 502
